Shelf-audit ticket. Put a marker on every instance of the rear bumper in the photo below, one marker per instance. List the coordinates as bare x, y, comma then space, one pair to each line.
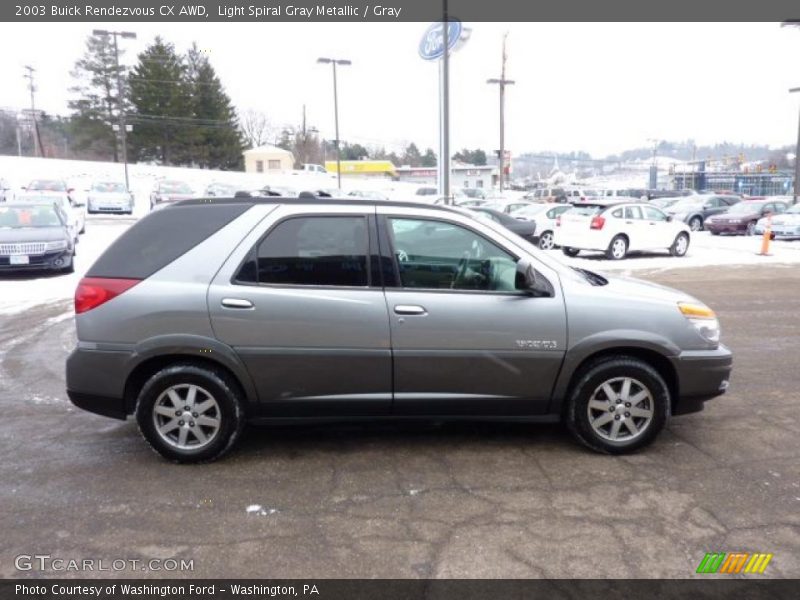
95, 381
702, 375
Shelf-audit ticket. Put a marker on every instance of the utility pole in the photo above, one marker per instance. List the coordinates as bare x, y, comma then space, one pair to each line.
123, 127
796, 157
37, 139
502, 83
334, 62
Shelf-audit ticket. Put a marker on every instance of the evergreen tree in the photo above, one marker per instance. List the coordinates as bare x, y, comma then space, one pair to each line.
428, 159
162, 107
97, 104
411, 156
215, 140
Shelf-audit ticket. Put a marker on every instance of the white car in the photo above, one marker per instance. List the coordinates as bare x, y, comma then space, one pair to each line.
544, 216
109, 196
617, 229
506, 205
581, 195
56, 191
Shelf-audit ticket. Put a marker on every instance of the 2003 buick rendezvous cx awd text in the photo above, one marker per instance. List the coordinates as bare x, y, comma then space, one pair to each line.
211, 313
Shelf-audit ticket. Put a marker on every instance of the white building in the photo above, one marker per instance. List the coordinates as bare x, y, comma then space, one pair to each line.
461, 175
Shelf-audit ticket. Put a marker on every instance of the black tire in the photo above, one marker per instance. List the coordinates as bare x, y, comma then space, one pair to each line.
751, 228
546, 240
677, 249
714, 232
71, 267
590, 379
229, 410
618, 241
696, 224
570, 251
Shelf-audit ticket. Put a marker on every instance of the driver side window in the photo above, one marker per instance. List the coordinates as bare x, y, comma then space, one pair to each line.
434, 254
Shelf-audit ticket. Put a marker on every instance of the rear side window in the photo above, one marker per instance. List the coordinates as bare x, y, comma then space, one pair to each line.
330, 251
161, 237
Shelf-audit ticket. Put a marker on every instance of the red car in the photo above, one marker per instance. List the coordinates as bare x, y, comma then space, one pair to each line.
742, 217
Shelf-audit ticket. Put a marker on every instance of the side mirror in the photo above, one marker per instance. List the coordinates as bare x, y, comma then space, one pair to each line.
525, 278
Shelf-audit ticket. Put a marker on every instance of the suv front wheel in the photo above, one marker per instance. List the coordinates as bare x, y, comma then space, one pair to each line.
618, 405
190, 413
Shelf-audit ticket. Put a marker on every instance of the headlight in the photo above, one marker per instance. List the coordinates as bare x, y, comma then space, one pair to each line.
60, 245
702, 319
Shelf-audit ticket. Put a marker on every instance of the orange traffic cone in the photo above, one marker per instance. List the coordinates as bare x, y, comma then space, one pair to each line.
767, 237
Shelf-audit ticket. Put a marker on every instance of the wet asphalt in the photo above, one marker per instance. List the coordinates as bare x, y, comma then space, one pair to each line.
416, 500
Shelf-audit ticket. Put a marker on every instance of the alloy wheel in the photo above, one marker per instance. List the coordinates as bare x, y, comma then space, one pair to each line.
186, 417
620, 409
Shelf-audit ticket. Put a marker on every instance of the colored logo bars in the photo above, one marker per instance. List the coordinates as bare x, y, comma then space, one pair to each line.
735, 562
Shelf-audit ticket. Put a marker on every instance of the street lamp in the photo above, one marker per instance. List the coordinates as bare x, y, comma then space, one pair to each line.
127, 35
502, 82
334, 62
796, 156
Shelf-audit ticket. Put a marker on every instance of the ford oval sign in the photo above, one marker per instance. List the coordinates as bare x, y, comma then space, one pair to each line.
432, 45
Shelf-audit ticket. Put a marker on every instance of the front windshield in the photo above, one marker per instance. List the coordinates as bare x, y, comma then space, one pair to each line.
47, 185
14, 217
688, 204
109, 187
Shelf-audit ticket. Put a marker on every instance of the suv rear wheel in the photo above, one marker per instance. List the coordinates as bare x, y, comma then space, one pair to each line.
618, 405
190, 413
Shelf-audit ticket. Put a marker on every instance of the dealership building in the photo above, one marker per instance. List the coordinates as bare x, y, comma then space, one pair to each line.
766, 183
461, 175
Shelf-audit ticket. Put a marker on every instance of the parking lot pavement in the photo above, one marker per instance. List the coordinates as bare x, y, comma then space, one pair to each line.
452, 500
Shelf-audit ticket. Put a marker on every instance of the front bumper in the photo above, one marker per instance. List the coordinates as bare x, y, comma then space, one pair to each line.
702, 375
50, 261
726, 227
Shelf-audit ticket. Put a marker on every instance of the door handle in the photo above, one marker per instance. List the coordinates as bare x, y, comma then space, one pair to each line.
236, 303
410, 309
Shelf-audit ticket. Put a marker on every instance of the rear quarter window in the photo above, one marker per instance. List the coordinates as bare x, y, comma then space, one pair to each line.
161, 237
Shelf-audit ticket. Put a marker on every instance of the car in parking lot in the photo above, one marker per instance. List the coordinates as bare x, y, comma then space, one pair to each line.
109, 196
544, 216
548, 194
785, 226
694, 210
220, 190
214, 313
665, 202
617, 229
507, 205
743, 216
35, 236
166, 192
55, 192
524, 229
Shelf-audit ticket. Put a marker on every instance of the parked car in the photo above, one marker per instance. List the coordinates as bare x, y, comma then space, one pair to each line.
167, 192
45, 191
524, 229
549, 194
208, 315
544, 216
618, 229
367, 195
665, 202
220, 190
785, 226
35, 236
50, 186
694, 210
506, 205
476, 193
743, 216
109, 196
578, 195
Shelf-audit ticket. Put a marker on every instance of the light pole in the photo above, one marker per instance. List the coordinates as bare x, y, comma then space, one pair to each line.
796, 157
334, 62
502, 82
128, 35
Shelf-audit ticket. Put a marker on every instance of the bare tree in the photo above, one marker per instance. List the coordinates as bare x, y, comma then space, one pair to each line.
256, 127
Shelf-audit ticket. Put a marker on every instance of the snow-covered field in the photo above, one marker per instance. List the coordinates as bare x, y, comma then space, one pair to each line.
19, 292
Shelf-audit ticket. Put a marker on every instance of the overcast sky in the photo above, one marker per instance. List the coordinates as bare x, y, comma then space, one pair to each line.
597, 87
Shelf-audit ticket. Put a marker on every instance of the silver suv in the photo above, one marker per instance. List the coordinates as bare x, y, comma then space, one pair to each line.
212, 313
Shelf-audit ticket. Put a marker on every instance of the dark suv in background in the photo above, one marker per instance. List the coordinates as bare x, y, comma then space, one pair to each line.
694, 210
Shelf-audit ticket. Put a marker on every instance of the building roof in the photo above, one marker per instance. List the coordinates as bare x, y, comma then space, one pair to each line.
267, 149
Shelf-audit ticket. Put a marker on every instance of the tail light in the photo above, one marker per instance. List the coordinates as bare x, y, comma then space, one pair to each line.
94, 291
558, 221
597, 222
